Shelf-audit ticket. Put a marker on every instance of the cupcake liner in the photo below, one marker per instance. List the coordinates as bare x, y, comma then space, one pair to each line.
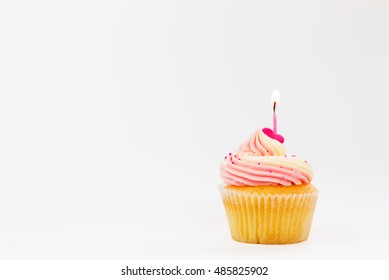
279, 218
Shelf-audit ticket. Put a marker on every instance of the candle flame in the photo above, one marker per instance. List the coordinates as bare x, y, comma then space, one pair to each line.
275, 98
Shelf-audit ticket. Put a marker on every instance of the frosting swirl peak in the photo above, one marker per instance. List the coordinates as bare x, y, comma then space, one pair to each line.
262, 145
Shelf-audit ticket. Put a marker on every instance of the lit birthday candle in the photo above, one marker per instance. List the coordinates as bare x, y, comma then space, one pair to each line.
275, 100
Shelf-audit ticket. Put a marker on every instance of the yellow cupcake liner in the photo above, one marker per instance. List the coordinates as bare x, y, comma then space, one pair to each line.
266, 218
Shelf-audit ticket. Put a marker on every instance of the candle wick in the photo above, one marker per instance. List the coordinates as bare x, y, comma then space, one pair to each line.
274, 107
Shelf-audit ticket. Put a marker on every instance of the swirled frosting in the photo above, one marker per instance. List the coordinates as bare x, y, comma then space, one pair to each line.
261, 161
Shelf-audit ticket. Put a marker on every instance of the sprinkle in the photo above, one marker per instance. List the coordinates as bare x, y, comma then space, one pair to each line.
305, 161
225, 157
285, 156
280, 166
238, 158
229, 154
259, 163
233, 162
234, 155
283, 177
293, 155
270, 171
267, 150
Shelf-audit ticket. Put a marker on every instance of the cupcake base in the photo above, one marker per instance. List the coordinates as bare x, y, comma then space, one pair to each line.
269, 214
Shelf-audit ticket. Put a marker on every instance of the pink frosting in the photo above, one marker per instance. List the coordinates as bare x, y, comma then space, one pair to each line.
269, 132
262, 161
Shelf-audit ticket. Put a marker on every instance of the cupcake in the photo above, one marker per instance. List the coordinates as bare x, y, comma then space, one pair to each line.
267, 195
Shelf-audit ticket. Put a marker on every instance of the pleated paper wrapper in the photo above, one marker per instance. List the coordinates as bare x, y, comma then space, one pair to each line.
264, 218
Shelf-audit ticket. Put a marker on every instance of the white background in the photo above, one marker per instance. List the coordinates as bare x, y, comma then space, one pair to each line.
115, 116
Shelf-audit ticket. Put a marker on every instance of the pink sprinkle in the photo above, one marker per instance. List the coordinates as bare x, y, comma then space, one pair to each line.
239, 158
267, 150
305, 161
234, 155
259, 163
229, 154
280, 166
270, 171
225, 157
283, 177
285, 156
233, 162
